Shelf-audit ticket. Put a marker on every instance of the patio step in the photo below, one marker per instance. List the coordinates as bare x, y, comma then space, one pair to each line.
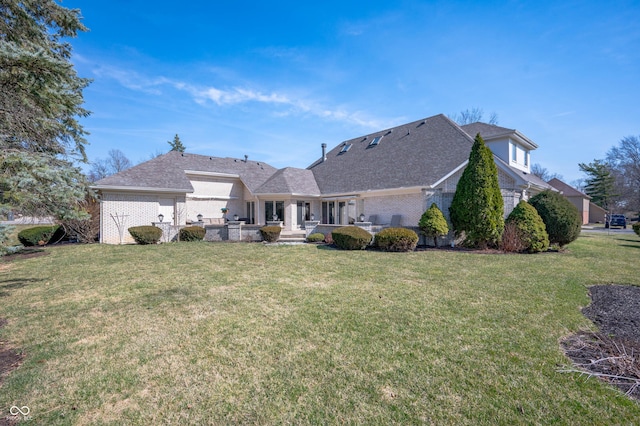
292, 237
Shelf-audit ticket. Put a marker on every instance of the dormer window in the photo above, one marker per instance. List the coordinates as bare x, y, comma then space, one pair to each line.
375, 141
514, 153
346, 147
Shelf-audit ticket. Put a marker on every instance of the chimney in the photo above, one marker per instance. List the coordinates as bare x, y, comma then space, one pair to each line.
324, 152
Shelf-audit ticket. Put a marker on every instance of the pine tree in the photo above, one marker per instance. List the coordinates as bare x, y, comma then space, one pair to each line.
433, 224
40, 103
477, 208
176, 144
600, 183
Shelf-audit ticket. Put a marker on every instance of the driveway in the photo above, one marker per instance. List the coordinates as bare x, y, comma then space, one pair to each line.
609, 231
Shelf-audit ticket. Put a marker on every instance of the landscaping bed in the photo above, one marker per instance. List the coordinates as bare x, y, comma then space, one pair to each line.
613, 353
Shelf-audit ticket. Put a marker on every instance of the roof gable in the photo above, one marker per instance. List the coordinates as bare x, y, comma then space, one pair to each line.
419, 153
290, 180
491, 132
567, 190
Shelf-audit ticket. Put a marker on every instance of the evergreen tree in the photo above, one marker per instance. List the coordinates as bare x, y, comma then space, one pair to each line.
600, 183
477, 208
40, 102
176, 144
433, 224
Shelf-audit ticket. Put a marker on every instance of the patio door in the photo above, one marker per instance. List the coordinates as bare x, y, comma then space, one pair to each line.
303, 211
274, 210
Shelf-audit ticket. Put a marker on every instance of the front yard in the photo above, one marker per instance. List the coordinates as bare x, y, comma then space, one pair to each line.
218, 333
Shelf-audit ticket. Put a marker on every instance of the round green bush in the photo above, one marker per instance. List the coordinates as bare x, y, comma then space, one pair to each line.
530, 228
316, 237
192, 233
40, 235
270, 233
636, 228
396, 239
561, 218
351, 238
146, 234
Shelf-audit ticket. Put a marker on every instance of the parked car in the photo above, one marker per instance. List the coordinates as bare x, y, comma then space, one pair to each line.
616, 220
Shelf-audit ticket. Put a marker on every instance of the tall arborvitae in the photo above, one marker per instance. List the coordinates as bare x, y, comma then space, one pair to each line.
477, 208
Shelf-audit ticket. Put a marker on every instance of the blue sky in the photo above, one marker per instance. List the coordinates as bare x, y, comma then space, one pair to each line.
274, 80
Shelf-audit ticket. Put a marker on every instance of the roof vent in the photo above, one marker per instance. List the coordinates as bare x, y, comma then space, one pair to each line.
246, 158
389, 131
324, 151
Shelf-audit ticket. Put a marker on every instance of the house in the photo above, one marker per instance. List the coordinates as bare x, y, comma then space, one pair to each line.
393, 174
577, 198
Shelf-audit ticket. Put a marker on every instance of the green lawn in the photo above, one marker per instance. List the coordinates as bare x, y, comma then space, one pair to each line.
219, 333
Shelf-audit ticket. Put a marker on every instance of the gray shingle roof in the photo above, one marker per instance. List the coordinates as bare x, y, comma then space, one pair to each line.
290, 180
567, 190
413, 154
168, 172
487, 131
491, 131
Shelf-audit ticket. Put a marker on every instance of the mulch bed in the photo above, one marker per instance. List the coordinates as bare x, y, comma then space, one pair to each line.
613, 353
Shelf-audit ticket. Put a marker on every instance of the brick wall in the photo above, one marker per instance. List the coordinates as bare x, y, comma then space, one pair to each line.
410, 206
128, 210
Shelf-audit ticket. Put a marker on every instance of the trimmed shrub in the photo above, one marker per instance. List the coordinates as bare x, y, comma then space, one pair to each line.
192, 233
40, 235
396, 239
271, 233
317, 237
636, 228
530, 228
561, 218
433, 224
351, 238
146, 234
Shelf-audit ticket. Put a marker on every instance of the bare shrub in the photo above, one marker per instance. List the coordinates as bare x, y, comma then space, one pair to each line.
512, 239
85, 230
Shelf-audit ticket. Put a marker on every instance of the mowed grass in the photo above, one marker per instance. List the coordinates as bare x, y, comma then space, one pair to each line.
215, 333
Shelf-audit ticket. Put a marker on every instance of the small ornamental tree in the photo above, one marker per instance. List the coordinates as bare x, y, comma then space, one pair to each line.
561, 218
433, 224
477, 207
530, 228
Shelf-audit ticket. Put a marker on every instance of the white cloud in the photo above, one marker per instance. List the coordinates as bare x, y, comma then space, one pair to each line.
203, 95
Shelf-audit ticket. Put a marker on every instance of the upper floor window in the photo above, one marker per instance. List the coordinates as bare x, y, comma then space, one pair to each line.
514, 153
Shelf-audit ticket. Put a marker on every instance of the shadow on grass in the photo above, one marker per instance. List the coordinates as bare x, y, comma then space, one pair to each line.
13, 284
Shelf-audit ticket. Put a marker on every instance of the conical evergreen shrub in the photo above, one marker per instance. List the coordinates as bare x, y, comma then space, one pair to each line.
530, 227
477, 208
433, 224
